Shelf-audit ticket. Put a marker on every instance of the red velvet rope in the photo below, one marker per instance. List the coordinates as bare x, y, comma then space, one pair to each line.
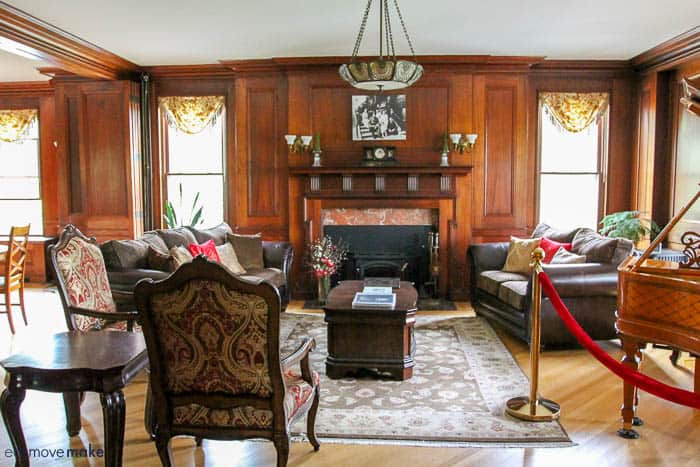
634, 377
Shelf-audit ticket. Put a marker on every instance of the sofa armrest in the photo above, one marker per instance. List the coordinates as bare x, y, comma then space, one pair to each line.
488, 256
123, 279
278, 255
582, 280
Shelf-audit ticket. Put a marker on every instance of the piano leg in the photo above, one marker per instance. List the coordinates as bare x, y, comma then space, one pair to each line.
630, 398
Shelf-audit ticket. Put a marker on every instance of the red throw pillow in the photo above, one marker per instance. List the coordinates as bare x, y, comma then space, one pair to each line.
551, 247
207, 249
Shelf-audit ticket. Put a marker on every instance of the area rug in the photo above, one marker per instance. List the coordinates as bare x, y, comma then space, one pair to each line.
462, 378
424, 304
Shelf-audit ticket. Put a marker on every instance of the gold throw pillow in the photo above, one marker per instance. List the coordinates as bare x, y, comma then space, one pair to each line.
229, 258
519, 252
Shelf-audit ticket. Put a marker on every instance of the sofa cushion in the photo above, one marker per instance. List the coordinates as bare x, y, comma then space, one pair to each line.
217, 234
563, 256
595, 247
180, 256
177, 237
207, 249
514, 293
159, 261
125, 254
490, 281
256, 275
249, 250
519, 252
154, 240
551, 247
229, 259
563, 236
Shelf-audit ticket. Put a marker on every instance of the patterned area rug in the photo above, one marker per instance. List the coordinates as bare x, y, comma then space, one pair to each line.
462, 378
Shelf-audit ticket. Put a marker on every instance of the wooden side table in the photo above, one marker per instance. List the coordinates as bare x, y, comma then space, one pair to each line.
73, 362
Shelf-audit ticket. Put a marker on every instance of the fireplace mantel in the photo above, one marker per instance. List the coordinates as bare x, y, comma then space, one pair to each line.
380, 182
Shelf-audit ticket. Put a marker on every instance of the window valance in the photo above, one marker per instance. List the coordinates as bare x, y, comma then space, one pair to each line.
15, 123
574, 111
192, 114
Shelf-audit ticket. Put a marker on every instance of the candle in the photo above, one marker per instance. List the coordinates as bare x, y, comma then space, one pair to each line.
317, 142
445, 144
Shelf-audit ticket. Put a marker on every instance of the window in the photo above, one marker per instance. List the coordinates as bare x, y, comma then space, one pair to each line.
195, 164
20, 184
571, 172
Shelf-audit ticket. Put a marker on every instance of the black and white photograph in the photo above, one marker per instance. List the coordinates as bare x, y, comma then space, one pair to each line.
379, 117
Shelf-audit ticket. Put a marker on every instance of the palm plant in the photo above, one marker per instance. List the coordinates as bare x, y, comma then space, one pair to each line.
195, 215
628, 224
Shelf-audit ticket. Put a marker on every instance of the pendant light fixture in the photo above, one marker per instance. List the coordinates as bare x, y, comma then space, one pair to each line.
385, 72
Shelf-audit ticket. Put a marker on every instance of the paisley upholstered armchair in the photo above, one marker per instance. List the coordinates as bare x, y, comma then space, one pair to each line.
216, 372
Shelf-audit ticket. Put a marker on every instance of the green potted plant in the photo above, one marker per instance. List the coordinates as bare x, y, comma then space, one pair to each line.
629, 225
170, 216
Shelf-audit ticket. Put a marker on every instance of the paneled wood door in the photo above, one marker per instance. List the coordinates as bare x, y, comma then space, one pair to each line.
500, 155
99, 157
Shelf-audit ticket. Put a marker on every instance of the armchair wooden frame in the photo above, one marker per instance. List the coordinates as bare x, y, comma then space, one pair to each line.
67, 235
15, 266
278, 432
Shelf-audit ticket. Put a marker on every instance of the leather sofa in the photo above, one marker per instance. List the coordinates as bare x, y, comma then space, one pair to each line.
588, 289
128, 261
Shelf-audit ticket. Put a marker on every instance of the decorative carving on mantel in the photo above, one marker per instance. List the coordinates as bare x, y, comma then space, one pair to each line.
380, 182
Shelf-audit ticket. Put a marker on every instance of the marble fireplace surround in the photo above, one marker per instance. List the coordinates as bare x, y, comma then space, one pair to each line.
379, 216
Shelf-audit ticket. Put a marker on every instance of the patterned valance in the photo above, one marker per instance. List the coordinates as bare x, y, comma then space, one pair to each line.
192, 114
574, 111
15, 123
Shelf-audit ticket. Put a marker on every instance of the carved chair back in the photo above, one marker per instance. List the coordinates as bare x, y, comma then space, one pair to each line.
213, 344
81, 276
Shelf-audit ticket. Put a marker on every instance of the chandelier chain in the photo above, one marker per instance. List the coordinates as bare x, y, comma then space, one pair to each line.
389, 36
363, 25
403, 25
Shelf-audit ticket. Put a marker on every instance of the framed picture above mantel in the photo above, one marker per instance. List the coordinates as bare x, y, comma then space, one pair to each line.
379, 117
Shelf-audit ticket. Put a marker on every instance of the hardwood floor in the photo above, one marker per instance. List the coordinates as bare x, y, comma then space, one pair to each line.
590, 397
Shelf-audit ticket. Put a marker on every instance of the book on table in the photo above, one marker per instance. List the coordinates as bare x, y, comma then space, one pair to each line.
393, 282
377, 290
374, 301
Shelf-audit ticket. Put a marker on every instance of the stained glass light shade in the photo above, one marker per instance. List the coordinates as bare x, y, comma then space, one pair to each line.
381, 75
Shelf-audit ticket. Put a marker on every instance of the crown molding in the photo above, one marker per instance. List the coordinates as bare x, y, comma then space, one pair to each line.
670, 53
26, 87
432, 62
56, 46
207, 71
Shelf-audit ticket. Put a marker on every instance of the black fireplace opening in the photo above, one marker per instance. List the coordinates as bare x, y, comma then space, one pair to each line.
385, 251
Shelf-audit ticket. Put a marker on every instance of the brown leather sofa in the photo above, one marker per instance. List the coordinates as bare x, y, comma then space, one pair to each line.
589, 289
128, 261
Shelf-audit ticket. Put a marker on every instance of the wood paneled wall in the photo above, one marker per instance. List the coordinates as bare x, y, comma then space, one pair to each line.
99, 163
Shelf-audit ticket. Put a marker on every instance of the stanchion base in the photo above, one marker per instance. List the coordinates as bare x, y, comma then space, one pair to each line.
545, 410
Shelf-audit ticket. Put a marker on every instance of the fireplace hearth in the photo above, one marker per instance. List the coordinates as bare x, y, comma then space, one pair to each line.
385, 251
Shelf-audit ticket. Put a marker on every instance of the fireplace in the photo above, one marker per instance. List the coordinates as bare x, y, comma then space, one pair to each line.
385, 251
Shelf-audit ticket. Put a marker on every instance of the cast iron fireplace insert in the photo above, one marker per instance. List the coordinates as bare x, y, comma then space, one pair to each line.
384, 251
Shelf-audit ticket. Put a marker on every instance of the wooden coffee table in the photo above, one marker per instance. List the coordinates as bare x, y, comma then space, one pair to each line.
367, 338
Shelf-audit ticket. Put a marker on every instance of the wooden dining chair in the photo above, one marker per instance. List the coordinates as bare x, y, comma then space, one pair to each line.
13, 278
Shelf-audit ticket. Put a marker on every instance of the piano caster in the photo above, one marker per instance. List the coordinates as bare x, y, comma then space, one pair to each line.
636, 421
627, 434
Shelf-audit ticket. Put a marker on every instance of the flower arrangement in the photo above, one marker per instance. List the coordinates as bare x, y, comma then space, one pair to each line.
325, 257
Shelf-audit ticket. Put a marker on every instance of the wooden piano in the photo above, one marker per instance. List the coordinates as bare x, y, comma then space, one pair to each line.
658, 302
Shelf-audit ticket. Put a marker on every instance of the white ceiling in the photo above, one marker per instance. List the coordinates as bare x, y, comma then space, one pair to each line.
168, 32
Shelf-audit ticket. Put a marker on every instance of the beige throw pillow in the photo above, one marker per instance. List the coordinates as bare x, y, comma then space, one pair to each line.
562, 256
180, 256
229, 259
519, 252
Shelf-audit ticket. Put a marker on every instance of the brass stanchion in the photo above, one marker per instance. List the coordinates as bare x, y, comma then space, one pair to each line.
534, 408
